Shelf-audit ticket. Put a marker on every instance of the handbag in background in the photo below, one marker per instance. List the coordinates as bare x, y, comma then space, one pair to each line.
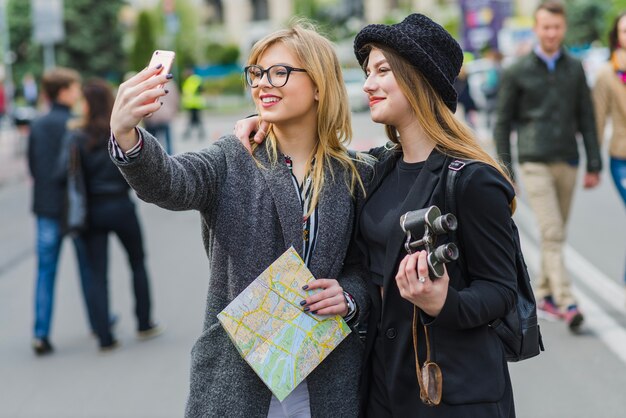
75, 213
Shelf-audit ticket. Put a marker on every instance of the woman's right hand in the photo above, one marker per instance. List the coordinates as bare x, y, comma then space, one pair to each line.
245, 127
136, 98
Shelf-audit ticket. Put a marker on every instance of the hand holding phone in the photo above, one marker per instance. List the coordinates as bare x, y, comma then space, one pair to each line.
166, 59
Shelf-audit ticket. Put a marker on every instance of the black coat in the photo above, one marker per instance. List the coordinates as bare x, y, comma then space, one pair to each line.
45, 143
476, 381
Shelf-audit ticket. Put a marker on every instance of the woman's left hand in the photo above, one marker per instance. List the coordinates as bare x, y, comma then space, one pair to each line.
244, 128
416, 286
330, 301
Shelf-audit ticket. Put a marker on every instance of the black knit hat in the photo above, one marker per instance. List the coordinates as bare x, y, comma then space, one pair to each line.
424, 44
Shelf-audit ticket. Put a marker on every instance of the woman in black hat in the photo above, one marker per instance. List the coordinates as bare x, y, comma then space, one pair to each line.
410, 69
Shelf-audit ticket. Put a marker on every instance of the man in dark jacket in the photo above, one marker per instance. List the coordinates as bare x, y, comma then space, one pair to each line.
62, 88
546, 97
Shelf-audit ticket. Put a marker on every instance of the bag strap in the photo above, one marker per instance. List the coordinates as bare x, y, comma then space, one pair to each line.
429, 377
454, 172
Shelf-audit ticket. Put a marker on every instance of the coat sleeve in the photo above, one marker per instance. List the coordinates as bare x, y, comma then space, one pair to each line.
181, 182
354, 273
506, 113
601, 103
485, 238
587, 125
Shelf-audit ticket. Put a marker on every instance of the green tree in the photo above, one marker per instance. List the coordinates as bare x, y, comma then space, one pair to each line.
92, 42
586, 21
93, 38
217, 53
617, 7
28, 55
144, 42
187, 45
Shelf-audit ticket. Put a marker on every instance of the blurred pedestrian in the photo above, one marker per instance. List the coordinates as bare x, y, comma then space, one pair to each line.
29, 90
3, 102
491, 84
465, 99
193, 102
110, 210
61, 87
610, 103
546, 97
302, 185
159, 123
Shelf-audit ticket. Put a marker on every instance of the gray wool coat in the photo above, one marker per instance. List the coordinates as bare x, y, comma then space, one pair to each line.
250, 216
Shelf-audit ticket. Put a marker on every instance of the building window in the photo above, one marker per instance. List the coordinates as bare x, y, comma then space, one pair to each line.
260, 10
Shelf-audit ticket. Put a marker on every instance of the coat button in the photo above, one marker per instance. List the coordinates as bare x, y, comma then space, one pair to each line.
391, 333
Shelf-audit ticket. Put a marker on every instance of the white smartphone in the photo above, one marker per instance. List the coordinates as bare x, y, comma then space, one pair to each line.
166, 59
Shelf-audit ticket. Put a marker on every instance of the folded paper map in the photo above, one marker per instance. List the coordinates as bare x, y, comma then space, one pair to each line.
281, 342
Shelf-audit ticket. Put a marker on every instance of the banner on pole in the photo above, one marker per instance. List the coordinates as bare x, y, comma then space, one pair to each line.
47, 16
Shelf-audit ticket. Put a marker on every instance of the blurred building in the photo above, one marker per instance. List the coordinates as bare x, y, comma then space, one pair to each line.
238, 15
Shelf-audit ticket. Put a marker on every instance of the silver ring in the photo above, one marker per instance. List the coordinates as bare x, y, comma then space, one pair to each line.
422, 279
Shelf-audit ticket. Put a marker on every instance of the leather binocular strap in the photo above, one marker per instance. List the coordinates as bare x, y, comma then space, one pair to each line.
429, 376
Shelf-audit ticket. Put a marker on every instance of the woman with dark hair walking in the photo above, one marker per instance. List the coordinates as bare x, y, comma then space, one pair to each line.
110, 209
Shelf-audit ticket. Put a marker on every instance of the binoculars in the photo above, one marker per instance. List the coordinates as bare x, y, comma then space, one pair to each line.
429, 223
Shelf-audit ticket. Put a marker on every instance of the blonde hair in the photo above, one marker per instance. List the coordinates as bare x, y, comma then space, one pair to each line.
450, 135
334, 131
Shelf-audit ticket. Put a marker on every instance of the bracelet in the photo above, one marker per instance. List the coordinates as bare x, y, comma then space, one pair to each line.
352, 307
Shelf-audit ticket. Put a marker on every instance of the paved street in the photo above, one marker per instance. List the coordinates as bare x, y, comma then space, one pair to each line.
578, 376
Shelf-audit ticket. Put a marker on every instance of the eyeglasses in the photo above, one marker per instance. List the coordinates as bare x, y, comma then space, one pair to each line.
277, 75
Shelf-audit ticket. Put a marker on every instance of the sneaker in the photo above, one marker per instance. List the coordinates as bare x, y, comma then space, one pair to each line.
574, 318
42, 346
113, 319
154, 331
546, 309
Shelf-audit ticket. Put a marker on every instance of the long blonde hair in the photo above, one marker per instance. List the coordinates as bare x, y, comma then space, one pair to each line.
334, 131
450, 135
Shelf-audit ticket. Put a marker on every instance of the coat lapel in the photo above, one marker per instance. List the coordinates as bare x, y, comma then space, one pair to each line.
280, 184
334, 220
418, 198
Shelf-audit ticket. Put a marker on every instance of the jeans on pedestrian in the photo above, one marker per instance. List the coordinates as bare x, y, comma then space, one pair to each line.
162, 132
116, 215
49, 240
618, 172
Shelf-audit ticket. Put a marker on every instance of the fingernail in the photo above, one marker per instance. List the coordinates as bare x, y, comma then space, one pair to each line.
166, 91
303, 303
314, 312
169, 76
159, 66
307, 309
305, 287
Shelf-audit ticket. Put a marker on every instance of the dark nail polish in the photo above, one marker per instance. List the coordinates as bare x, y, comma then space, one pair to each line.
161, 103
303, 303
169, 76
314, 312
159, 66
166, 91
305, 287
306, 309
